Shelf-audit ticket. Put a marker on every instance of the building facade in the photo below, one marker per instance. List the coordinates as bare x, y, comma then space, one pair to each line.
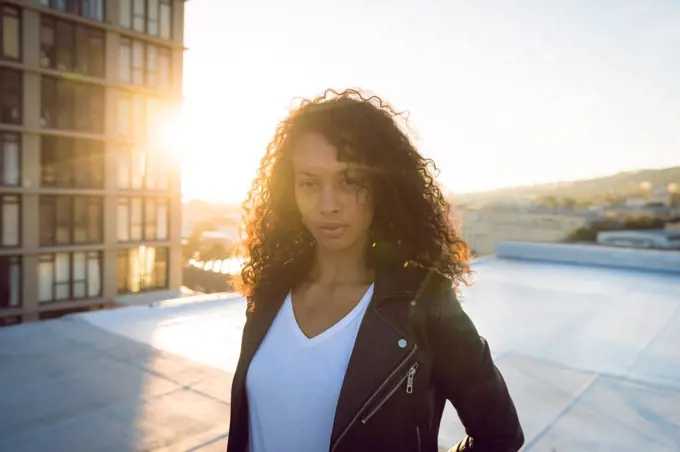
90, 200
485, 229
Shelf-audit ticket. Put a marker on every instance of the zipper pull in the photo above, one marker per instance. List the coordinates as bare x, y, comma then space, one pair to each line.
409, 378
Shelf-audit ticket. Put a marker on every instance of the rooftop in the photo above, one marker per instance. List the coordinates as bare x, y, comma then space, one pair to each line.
589, 353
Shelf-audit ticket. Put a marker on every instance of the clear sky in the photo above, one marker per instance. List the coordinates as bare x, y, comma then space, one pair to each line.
500, 93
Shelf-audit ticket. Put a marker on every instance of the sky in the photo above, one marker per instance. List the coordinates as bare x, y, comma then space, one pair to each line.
500, 93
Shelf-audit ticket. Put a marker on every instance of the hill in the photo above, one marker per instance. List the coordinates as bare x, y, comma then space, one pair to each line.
617, 184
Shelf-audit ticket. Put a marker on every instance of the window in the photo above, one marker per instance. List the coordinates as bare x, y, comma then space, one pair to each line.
10, 282
143, 64
141, 269
10, 33
69, 47
90, 9
138, 170
69, 105
10, 214
71, 163
10, 96
10, 159
153, 17
70, 219
142, 218
69, 276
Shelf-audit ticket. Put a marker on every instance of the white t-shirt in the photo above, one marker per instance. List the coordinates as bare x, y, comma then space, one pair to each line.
293, 382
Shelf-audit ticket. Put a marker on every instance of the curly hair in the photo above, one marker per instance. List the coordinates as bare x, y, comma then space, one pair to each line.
411, 225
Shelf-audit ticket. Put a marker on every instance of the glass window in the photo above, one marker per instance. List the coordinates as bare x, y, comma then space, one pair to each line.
10, 282
123, 217
65, 46
93, 9
94, 274
10, 96
70, 219
70, 105
124, 114
124, 167
125, 13
48, 47
46, 278
138, 117
138, 13
10, 33
10, 220
69, 276
71, 163
125, 61
164, 68
141, 269
150, 218
137, 62
10, 159
89, 9
166, 19
152, 18
162, 219
136, 219
151, 66
69, 47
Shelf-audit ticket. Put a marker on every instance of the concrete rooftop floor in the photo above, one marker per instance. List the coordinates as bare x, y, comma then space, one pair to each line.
591, 356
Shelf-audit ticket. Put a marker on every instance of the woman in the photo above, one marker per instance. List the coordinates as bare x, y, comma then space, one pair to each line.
354, 338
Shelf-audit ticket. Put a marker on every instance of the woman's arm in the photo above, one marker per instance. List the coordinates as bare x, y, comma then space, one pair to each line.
471, 381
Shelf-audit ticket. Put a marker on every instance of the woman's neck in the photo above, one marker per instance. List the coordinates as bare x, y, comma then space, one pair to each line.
347, 267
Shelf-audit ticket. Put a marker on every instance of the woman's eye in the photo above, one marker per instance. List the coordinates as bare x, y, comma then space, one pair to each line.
307, 184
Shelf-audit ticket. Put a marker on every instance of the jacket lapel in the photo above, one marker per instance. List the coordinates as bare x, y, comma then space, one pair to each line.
377, 351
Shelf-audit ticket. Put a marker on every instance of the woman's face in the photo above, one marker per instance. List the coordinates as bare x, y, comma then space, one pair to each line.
332, 196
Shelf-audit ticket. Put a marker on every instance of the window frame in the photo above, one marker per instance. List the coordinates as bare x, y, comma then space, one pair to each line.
78, 46
8, 77
70, 282
48, 234
55, 92
5, 139
129, 281
15, 200
158, 203
17, 14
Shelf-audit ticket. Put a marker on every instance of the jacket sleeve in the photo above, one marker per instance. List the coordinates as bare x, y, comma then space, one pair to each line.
463, 366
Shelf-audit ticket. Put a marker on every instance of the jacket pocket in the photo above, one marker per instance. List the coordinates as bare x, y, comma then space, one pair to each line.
408, 378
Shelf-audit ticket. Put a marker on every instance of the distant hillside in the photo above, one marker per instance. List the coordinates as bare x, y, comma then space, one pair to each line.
621, 183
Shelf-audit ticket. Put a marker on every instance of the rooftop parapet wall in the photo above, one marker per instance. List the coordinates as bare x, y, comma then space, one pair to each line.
631, 259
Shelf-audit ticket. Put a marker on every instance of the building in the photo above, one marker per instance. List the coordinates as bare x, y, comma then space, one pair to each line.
483, 229
660, 239
90, 206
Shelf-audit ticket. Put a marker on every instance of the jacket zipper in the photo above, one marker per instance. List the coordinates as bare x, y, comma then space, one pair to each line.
409, 390
375, 394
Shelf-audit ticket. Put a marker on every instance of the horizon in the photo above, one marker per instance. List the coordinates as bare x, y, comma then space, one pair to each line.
563, 93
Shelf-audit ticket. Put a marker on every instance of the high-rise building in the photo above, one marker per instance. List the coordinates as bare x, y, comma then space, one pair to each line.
90, 198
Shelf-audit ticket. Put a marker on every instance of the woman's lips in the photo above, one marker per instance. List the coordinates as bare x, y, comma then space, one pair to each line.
332, 231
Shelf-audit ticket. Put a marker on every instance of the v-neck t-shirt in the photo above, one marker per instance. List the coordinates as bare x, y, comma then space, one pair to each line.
293, 382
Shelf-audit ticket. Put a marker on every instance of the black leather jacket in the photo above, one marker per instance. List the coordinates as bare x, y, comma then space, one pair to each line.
416, 349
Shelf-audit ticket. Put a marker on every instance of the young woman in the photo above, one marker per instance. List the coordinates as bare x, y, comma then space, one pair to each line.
354, 338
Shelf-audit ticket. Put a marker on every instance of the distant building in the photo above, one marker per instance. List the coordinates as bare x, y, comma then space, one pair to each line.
484, 229
90, 204
661, 239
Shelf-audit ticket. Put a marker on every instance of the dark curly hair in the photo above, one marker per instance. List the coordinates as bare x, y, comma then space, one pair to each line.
411, 225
